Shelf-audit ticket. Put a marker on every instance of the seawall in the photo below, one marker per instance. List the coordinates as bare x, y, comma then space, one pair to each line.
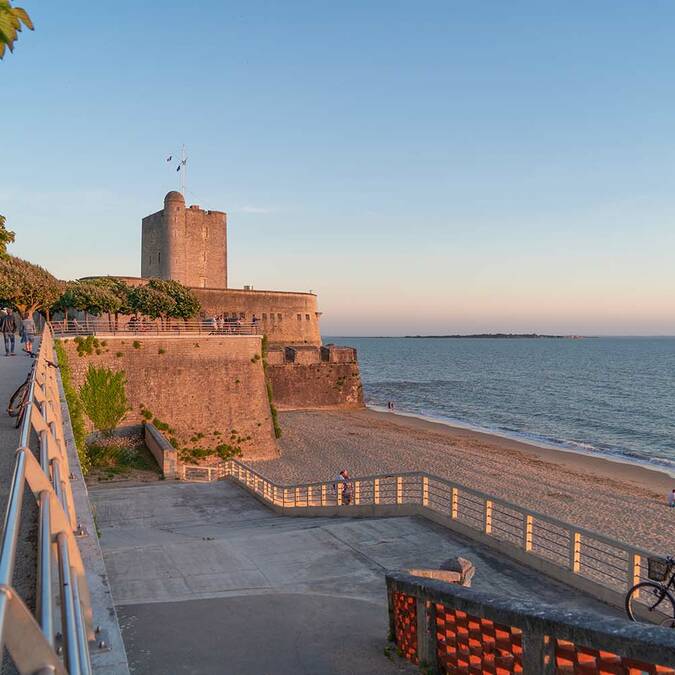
314, 377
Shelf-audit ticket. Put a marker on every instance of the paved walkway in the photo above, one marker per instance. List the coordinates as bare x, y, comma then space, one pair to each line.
206, 579
13, 371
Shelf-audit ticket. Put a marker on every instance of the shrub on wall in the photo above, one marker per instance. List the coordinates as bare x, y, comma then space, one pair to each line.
104, 398
74, 408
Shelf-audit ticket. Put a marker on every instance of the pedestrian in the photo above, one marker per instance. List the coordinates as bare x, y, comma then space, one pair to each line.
343, 484
28, 326
671, 498
8, 327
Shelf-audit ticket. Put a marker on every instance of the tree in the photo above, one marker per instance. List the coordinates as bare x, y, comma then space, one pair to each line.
6, 237
27, 287
120, 289
151, 302
187, 304
89, 298
11, 19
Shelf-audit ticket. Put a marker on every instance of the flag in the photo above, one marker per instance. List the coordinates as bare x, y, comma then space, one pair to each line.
169, 158
183, 163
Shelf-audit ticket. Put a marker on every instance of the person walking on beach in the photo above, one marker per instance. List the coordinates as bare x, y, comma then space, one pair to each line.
671, 499
28, 328
8, 328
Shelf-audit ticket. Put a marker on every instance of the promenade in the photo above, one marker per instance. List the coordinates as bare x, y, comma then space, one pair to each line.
206, 579
13, 371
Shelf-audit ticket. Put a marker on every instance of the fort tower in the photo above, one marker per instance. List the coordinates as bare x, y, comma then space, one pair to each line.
186, 244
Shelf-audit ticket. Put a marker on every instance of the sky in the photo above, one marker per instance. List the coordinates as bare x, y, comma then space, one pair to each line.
425, 167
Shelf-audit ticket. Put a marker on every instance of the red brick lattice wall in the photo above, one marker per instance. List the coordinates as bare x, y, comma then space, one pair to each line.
574, 659
405, 625
468, 644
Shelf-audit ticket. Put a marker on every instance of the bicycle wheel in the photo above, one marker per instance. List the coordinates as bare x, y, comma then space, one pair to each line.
18, 400
651, 603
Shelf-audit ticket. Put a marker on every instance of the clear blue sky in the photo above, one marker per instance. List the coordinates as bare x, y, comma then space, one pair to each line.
423, 166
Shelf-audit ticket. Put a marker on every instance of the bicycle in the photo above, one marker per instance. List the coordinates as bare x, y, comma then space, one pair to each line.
654, 598
19, 399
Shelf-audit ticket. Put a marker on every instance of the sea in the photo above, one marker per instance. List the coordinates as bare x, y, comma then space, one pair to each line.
607, 396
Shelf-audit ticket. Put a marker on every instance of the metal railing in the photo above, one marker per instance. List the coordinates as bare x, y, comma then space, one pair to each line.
35, 642
593, 562
446, 628
141, 327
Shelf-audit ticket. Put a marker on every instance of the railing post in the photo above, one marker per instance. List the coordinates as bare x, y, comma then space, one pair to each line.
488, 516
357, 492
454, 503
376, 490
324, 490
296, 498
575, 551
528, 532
634, 568
426, 635
425, 491
338, 493
399, 490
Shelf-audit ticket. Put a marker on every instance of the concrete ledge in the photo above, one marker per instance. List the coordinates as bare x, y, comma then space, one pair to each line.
112, 661
162, 450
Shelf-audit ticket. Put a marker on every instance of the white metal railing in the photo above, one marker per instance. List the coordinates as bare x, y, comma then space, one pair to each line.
35, 642
584, 555
131, 326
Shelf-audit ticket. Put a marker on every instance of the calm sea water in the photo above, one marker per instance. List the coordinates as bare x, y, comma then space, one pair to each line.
613, 396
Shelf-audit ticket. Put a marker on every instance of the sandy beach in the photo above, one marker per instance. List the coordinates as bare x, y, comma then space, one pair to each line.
624, 501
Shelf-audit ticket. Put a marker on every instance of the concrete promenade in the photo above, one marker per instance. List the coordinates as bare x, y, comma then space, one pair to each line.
206, 579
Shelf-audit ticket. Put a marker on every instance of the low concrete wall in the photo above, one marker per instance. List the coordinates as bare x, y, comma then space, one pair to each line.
162, 450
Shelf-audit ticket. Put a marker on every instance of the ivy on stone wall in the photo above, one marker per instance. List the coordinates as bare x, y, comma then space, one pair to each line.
74, 408
104, 397
268, 387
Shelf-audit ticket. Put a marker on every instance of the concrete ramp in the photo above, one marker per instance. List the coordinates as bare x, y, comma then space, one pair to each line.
206, 579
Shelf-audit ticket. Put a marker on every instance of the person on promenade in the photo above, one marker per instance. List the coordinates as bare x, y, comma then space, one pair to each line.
8, 327
671, 498
346, 488
28, 327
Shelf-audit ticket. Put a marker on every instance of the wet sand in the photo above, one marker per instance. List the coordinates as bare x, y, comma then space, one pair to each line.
624, 501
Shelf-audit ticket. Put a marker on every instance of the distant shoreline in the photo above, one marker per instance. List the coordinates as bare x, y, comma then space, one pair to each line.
499, 336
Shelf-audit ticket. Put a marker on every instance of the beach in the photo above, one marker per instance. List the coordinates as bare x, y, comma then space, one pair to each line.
624, 501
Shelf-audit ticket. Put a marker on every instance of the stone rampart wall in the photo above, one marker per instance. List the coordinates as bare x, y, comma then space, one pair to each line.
197, 385
314, 378
286, 318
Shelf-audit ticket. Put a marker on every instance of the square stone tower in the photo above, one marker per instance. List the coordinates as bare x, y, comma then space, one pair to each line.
185, 244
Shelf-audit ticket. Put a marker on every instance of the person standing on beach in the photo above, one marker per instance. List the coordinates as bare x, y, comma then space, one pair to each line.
8, 328
671, 499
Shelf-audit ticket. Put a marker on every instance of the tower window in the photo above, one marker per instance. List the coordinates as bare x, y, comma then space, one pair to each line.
299, 317
307, 317
279, 317
159, 257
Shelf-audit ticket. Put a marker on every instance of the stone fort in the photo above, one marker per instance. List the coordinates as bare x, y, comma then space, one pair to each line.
189, 244
218, 383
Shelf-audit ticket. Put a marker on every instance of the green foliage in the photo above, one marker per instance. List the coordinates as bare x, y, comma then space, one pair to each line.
146, 414
89, 297
136, 344
74, 407
11, 21
224, 451
268, 386
118, 288
104, 397
161, 351
119, 354
6, 237
150, 302
27, 287
118, 456
186, 303
87, 346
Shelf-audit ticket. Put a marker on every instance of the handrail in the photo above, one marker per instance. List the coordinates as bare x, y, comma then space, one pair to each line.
589, 560
437, 625
126, 326
31, 641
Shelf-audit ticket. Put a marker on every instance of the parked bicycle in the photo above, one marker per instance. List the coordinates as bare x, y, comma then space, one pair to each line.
19, 399
653, 601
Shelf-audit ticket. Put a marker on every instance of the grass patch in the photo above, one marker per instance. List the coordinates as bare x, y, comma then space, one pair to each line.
119, 456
